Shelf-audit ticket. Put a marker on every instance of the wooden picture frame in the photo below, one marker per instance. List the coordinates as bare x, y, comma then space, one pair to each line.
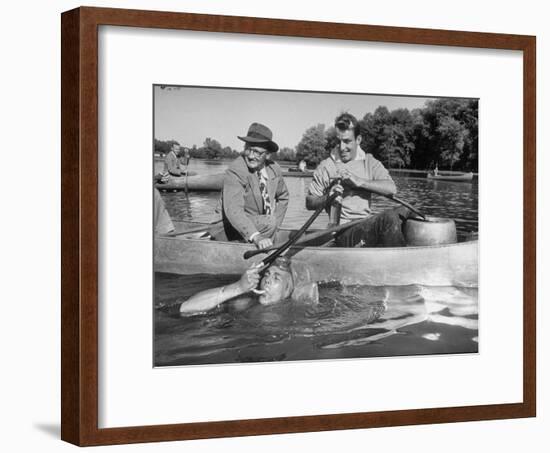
79, 340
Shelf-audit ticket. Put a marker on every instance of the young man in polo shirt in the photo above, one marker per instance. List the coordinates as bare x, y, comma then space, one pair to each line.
359, 173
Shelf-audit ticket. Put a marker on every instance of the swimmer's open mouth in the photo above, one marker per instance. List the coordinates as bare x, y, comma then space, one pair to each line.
259, 291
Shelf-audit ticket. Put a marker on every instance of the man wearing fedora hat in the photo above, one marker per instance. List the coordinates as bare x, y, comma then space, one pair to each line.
254, 196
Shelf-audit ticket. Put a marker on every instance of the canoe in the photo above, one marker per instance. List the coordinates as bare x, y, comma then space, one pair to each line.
445, 265
194, 183
297, 174
441, 176
190, 173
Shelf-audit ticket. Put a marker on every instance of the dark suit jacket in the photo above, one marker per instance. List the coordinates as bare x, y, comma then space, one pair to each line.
241, 198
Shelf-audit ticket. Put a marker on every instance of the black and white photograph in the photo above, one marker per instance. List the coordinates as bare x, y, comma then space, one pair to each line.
276, 226
296, 225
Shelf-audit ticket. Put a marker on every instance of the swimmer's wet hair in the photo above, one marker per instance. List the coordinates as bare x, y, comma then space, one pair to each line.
283, 263
302, 287
298, 271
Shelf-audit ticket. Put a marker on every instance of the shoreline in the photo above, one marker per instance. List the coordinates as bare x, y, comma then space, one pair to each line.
288, 164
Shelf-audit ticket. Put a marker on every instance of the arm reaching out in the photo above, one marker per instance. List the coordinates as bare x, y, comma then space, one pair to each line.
211, 298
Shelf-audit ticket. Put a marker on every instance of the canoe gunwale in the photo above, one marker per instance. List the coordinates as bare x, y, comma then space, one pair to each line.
246, 246
195, 183
458, 177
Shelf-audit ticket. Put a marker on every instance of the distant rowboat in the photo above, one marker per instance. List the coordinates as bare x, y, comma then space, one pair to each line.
447, 176
298, 174
443, 265
196, 183
193, 183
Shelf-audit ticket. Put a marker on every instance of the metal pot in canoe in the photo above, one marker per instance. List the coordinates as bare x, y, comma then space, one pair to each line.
432, 231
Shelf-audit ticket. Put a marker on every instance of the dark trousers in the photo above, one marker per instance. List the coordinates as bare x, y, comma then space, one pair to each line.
379, 230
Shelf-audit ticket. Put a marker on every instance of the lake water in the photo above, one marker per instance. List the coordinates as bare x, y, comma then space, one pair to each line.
357, 321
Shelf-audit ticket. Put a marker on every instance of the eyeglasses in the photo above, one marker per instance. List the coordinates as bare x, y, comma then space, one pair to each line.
258, 152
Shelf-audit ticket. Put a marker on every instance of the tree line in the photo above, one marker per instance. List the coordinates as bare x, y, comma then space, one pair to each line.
444, 132
212, 149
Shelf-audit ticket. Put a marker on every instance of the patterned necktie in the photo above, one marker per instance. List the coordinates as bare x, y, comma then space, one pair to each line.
264, 192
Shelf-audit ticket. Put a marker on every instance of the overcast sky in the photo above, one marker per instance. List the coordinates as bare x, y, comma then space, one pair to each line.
191, 114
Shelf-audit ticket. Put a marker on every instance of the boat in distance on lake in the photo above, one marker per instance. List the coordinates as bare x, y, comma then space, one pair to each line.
206, 183
298, 174
442, 265
194, 183
448, 176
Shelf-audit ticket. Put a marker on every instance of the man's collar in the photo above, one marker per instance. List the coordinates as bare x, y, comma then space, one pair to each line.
335, 155
263, 171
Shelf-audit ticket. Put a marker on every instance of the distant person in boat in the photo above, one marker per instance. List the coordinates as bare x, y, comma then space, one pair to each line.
302, 165
172, 164
436, 170
185, 157
161, 219
359, 172
254, 195
282, 281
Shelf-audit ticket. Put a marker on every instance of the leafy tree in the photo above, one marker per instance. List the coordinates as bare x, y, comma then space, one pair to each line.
212, 149
373, 131
400, 135
312, 146
331, 140
194, 152
389, 136
422, 156
163, 147
284, 154
468, 116
452, 135
451, 126
443, 132
229, 153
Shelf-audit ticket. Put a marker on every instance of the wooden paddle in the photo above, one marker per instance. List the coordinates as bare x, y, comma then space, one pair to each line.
400, 201
283, 248
187, 176
308, 237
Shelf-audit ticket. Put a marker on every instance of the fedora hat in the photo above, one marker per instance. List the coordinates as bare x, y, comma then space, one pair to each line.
260, 135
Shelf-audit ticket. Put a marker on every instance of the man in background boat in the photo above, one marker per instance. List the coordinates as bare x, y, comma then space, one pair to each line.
254, 195
359, 174
172, 164
185, 158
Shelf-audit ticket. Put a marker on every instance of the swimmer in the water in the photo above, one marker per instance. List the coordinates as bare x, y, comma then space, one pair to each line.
280, 282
